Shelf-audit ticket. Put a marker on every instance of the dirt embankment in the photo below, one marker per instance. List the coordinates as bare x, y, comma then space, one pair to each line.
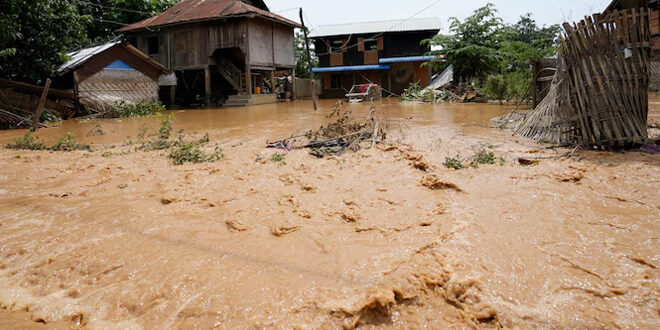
386, 237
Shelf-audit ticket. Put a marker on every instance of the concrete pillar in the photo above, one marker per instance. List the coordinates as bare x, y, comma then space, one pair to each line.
207, 84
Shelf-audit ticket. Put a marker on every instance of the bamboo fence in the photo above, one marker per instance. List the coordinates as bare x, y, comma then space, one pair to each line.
599, 94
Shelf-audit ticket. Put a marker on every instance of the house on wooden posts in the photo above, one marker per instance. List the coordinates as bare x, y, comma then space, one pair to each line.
219, 48
387, 53
108, 73
654, 7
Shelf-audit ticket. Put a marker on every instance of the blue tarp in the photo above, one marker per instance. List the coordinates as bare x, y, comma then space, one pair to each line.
119, 65
350, 68
406, 59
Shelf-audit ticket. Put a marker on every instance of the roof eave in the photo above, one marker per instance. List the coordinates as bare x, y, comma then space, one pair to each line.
367, 33
250, 15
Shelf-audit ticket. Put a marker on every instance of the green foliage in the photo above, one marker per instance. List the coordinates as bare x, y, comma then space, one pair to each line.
496, 87
106, 16
278, 158
27, 142
302, 60
165, 129
415, 93
483, 158
453, 162
35, 36
67, 143
481, 46
471, 43
123, 109
190, 152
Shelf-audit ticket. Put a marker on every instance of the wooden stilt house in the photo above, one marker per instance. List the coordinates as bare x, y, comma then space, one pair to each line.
219, 48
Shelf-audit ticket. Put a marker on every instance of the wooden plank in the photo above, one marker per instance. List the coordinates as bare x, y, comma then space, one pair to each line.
40, 107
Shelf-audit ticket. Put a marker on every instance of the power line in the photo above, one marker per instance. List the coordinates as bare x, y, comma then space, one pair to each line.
117, 8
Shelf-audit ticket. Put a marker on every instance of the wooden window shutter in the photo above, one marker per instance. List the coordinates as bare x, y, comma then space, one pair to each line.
381, 43
344, 47
360, 44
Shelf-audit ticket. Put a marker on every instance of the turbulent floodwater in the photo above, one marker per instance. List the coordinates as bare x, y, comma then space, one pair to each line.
127, 240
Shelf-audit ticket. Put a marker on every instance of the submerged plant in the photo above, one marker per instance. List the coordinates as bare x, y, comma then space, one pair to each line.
27, 142
278, 158
453, 162
68, 143
123, 109
482, 158
189, 152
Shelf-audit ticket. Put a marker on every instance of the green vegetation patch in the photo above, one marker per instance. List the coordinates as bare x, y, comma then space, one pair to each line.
123, 109
67, 143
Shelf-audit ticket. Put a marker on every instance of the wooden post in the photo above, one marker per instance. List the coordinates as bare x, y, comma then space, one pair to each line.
248, 79
312, 82
172, 94
40, 107
293, 84
272, 81
207, 84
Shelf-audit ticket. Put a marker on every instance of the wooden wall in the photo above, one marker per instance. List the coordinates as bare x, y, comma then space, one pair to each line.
192, 45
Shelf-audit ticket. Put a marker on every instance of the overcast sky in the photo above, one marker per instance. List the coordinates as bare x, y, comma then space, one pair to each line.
323, 12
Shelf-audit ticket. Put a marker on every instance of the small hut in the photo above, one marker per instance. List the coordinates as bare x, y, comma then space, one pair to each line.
108, 73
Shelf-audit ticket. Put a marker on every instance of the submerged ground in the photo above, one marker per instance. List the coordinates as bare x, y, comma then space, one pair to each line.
129, 240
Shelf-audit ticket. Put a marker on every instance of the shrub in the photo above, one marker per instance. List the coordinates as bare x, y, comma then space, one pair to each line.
27, 142
453, 162
68, 143
123, 109
189, 152
415, 93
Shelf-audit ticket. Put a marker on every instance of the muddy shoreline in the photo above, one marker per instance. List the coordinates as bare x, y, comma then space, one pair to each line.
363, 240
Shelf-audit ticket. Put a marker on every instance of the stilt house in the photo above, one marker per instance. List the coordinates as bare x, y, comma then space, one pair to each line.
387, 53
219, 48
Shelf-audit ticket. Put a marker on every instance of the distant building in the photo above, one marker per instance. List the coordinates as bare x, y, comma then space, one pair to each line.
388, 53
102, 75
219, 47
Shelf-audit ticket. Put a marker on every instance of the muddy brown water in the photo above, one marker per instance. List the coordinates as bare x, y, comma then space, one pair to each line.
132, 241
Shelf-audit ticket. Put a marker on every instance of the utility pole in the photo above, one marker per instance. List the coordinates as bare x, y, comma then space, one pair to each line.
312, 82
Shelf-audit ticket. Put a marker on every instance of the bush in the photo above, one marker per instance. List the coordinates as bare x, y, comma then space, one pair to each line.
496, 87
123, 109
483, 158
415, 93
27, 142
67, 143
453, 162
189, 152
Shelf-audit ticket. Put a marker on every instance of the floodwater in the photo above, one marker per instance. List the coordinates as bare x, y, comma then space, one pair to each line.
111, 239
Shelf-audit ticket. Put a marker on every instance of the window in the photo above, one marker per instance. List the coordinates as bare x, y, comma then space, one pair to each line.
153, 46
370, 45
335, 81
337, 46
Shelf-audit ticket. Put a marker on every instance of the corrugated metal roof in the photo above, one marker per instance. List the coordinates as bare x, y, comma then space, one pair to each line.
188, 11
350, 68
403, 25
81, 56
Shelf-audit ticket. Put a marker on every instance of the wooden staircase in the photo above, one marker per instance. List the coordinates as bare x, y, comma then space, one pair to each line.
233, 75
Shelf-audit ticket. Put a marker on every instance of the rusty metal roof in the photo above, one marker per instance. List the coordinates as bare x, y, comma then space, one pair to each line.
188, 11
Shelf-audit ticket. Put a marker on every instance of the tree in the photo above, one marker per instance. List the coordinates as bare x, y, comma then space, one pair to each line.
35, 36
472, 44
109, 15
302, 67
